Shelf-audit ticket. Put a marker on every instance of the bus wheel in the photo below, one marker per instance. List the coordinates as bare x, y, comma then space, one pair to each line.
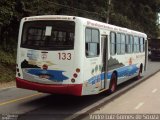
113, 83
139, 73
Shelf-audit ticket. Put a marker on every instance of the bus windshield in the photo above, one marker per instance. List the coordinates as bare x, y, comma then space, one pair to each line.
48, 35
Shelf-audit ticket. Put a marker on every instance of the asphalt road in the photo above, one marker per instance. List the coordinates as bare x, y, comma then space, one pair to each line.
33, 105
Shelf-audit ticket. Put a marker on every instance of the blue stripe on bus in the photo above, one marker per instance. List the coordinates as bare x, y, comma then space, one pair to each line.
122, 72
54, 75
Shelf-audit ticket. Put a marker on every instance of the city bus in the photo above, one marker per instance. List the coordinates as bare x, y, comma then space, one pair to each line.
77, 56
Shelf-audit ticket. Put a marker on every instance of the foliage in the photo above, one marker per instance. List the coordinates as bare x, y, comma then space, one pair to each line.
6, 11
139, 14
7, 73
7, 66
7, 58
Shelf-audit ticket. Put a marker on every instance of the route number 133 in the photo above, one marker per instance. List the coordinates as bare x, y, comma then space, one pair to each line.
64, 56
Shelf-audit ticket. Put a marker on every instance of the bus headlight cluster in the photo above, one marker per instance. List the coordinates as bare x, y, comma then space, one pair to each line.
17, 69
75, 75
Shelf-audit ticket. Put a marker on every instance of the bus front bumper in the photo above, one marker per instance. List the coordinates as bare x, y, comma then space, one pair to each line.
71, 89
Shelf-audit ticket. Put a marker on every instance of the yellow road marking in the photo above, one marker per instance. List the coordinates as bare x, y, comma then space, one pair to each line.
18, 99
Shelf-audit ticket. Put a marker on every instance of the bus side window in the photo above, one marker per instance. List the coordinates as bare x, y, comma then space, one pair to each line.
92, 42
113, 43
131, 43
123, 43
136, 44
141, 44
118, 43
127, 45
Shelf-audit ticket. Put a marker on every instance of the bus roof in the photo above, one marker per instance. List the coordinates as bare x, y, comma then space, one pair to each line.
88, 22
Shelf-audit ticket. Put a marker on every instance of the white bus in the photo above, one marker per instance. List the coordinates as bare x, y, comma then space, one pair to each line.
77, 56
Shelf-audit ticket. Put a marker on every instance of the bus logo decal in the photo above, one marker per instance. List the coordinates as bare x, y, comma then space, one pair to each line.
32, 54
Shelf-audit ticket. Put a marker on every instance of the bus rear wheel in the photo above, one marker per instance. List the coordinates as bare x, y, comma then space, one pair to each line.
139, 73
113, 83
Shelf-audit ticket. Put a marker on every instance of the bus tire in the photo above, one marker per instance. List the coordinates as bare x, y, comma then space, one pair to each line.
139, 73
113, 83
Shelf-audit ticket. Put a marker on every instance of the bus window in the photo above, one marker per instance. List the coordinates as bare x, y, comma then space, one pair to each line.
136, 44
127, 46
118, 43
122, 43
112, 43
95, 36
131, 43
92, 42
141, 44
48, 35
88, 35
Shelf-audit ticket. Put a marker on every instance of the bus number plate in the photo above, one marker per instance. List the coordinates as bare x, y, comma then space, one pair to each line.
64, 56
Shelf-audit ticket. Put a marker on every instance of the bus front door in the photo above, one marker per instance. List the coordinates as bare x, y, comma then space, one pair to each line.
104, 53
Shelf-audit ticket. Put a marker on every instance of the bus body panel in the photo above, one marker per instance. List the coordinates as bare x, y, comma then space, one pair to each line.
94, 78
33, 61
129, 67
48, 68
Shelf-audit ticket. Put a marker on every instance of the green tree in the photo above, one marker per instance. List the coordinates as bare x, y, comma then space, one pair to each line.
6, 19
